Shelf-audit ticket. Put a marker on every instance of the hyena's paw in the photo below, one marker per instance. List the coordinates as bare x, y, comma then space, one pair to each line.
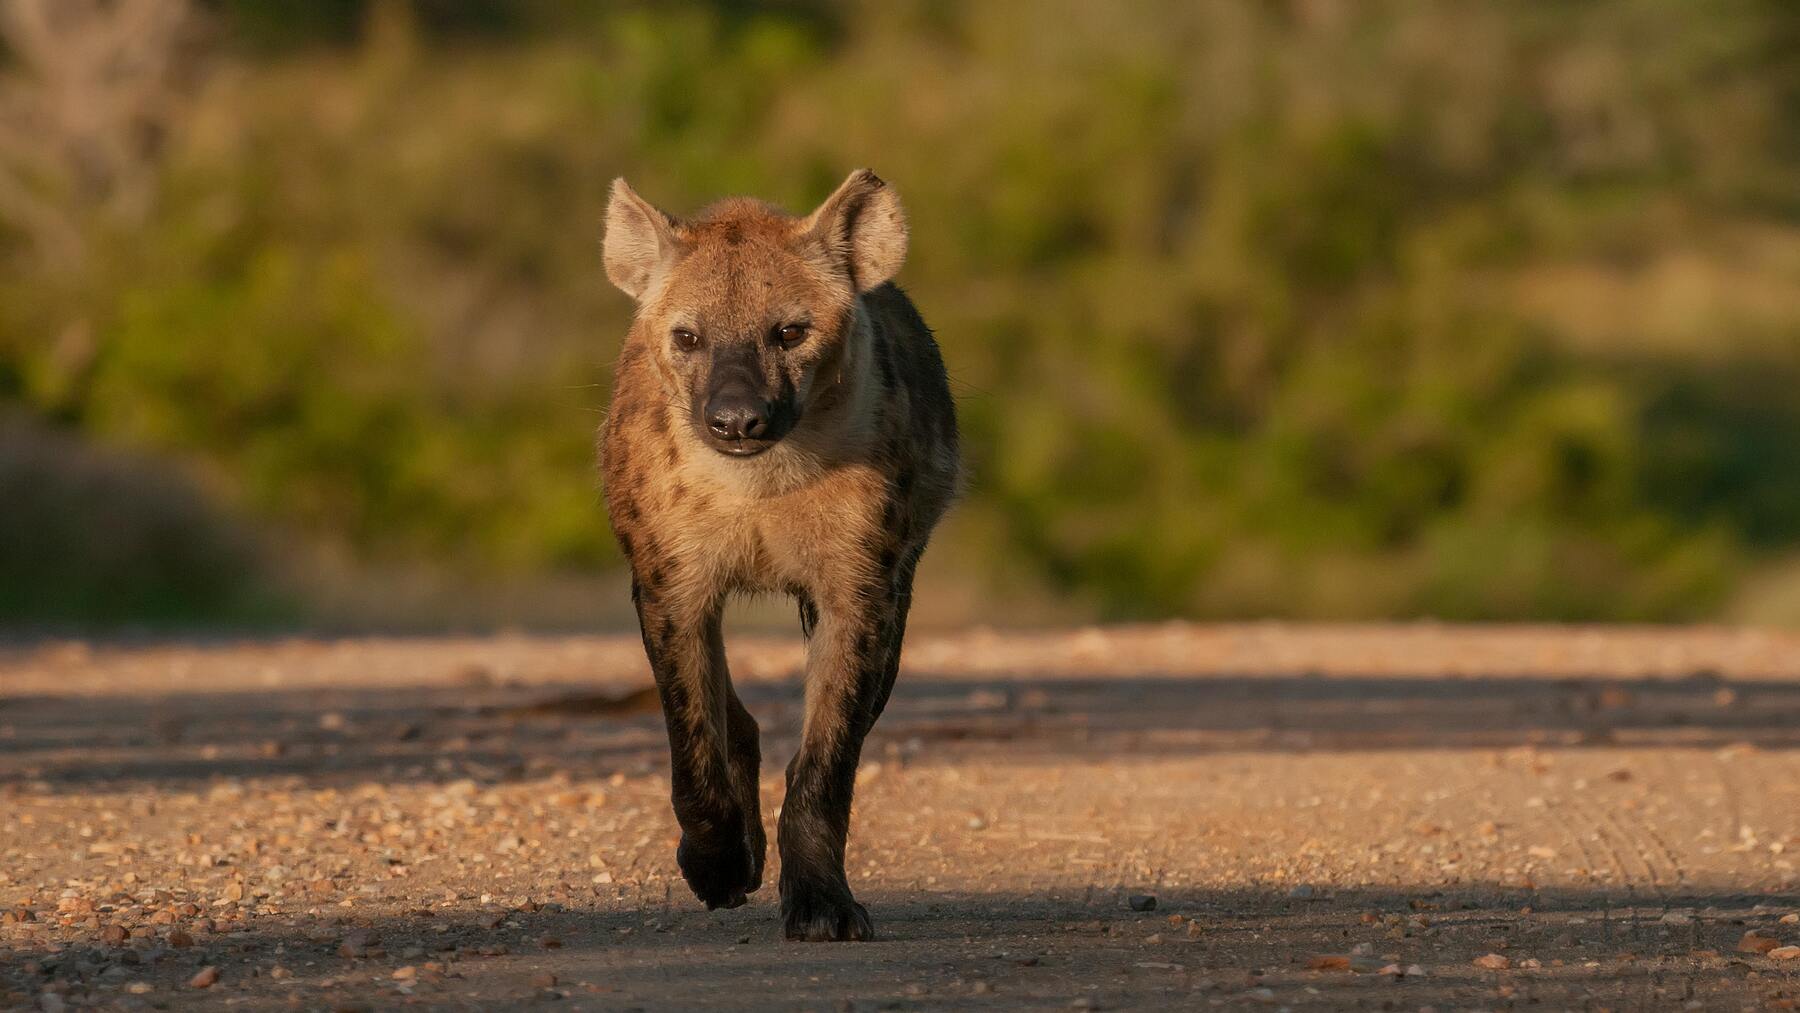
722, 873
824, 915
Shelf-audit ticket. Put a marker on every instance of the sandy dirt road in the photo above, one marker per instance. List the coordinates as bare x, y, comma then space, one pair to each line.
1384, 817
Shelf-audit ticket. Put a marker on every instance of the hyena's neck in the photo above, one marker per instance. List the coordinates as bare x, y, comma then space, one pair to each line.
846, 414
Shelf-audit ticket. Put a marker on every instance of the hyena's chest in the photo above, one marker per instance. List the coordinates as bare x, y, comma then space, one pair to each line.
731, 531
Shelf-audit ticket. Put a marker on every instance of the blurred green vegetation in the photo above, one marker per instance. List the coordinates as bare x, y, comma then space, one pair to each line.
1321, 309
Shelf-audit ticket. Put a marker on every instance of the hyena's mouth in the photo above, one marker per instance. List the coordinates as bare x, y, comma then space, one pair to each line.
740, 448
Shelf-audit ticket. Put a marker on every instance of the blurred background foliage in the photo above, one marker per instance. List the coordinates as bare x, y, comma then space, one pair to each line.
1319, 308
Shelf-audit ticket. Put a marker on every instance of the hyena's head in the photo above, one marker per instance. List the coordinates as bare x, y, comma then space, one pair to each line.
750, 313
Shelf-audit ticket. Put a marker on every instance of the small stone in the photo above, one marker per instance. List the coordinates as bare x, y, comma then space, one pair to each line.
359, 944
181, 939
543, 979
206, 978
1790, 919
1784, 953
407, 973
1329, 962
140, 988
1755, 943
1682, 917
1142, 902
114, 935
234, 890
1493, 962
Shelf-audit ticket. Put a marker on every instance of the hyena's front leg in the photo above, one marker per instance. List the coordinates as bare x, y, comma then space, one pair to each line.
852, 658
712, 751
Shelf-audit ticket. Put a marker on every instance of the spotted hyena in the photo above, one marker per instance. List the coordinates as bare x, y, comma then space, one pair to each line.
780, 422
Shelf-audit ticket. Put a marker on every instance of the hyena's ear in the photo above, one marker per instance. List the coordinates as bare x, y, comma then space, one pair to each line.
639, 239
862, 225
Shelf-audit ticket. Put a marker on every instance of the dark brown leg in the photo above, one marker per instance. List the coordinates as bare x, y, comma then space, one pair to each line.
852, 658
720, 854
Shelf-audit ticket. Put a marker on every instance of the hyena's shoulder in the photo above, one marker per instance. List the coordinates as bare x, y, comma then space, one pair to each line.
922, 442
907, 358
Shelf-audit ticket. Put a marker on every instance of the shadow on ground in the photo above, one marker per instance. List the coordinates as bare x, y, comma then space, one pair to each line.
494, 734
960, 950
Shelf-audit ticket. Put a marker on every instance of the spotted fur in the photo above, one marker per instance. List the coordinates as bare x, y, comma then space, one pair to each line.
834, 512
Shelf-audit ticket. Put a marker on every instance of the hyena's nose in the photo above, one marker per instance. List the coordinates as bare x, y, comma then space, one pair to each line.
737, 417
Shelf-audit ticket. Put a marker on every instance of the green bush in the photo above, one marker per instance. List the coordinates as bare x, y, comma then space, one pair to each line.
1311, 310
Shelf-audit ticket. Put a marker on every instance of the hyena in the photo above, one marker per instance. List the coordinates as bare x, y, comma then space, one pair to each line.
781, 423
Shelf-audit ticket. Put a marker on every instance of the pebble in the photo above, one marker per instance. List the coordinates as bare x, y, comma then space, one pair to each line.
1752, 942
206, 978
1493, 962
1785, 953
1142, 902
359, 944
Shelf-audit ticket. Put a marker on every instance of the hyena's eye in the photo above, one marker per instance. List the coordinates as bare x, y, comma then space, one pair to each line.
685, 339
791, 335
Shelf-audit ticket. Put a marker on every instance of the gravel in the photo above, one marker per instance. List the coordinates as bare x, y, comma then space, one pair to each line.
1603, 816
